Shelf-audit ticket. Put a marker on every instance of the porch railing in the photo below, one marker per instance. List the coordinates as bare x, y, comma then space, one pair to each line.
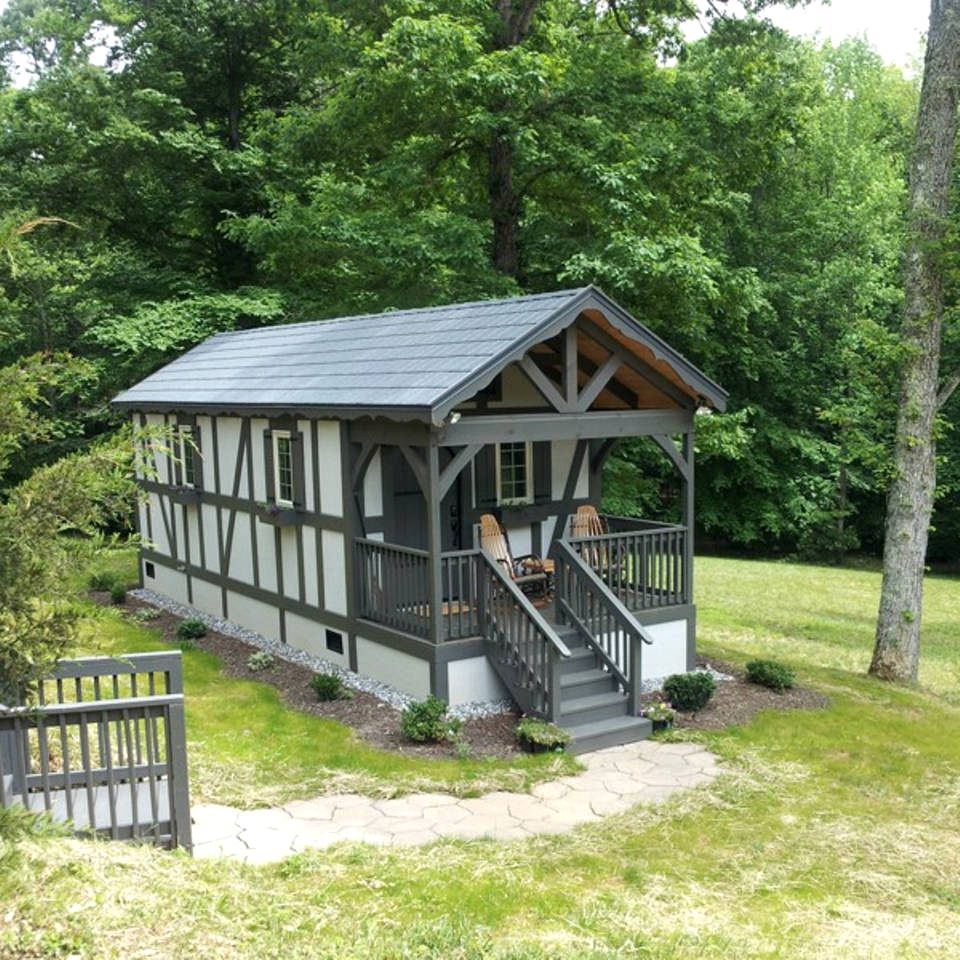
585, 603
104, 748
393, 588
522, 647
644, 563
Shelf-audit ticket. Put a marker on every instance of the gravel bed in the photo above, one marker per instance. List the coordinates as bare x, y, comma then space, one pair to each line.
382, 691
655, 684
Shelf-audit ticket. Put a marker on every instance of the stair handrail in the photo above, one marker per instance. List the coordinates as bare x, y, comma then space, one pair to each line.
628, 671
523, 602
522, 647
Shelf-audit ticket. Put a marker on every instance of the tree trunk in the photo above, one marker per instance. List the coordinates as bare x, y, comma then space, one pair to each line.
515, 19
910, 500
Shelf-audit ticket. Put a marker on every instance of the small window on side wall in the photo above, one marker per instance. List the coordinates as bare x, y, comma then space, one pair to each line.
283, 467
149, 569
514, 473
188, 457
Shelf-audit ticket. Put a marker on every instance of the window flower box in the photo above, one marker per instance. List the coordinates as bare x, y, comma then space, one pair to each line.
185, 495
279, 516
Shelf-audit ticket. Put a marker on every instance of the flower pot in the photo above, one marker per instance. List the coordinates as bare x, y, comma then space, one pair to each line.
185, 495
279, 516
659, 725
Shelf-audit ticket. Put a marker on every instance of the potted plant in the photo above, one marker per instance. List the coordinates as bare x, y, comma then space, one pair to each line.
540, 736
660, 714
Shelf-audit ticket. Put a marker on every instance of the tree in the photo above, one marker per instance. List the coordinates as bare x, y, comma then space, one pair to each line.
911, 498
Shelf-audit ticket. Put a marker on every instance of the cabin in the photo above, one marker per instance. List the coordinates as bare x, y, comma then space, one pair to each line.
416, 496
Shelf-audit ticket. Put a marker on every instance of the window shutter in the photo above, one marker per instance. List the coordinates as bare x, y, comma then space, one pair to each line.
542, 473
268, 465
299, 485
485, 466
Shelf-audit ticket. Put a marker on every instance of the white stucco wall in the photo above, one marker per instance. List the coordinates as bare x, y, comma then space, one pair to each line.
473, 679
668, 653
331, 482
401, 670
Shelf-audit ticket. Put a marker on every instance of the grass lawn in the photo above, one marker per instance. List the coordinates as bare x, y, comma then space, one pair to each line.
835, 833
246, 749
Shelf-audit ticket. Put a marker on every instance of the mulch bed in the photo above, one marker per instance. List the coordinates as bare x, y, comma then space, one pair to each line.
735, 702
373, 720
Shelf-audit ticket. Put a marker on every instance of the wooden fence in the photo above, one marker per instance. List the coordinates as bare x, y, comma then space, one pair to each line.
103, 748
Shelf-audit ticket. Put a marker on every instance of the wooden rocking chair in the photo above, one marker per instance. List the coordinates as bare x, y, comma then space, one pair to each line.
588, 523
527, 571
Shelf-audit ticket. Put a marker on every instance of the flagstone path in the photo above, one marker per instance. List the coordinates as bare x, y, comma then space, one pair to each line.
614, 780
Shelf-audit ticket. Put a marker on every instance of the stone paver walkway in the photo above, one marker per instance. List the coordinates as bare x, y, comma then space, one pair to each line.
614, 780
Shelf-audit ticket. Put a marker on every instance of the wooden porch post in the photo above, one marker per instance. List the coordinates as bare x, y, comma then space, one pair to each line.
434, 540
687, 493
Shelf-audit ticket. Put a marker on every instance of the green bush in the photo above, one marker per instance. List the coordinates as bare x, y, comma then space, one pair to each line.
427, 721
537, 734
118, 593
145, 614
261, 660
102, 581
689, 692
771, 673
190, 630
328, 686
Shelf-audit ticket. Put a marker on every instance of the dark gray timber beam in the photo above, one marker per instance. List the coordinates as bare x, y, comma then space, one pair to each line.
390, 431
600, 457
678, 458
434, 542
456, 465
570, 363
565, 426
540, 380
597, 382
367, 453
417, 465
590, 368
638, 366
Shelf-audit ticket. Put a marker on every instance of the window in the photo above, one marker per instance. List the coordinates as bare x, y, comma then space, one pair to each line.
335, 641
283, 467
186, 452
514, 473
149, 569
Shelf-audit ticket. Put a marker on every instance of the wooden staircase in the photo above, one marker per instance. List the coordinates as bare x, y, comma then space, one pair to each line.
592, 705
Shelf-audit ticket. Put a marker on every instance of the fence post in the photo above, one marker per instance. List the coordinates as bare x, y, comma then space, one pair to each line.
180, 799
554, 715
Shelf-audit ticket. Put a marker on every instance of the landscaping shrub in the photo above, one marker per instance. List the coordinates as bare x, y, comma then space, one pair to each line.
328, 686
690, 692
771, 673
101, 582
190, 630
118, 593
538, 736
261, 660
427, 721
145, 614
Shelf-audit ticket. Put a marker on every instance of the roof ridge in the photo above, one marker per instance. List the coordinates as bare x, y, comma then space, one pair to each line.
522, 298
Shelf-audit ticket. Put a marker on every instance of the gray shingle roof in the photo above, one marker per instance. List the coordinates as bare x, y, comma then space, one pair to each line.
402, 359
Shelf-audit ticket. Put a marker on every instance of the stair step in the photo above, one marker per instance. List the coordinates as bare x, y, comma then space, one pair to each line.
598, 706
580, 659
608, 733
584, 683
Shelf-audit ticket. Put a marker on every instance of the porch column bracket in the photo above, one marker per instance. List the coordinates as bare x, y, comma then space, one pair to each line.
669, 447
570, 363
600, 457
539, 379
367, 453
597, 382
454, 468
417, 465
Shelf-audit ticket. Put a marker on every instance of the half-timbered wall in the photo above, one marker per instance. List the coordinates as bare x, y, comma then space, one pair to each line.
217, 549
